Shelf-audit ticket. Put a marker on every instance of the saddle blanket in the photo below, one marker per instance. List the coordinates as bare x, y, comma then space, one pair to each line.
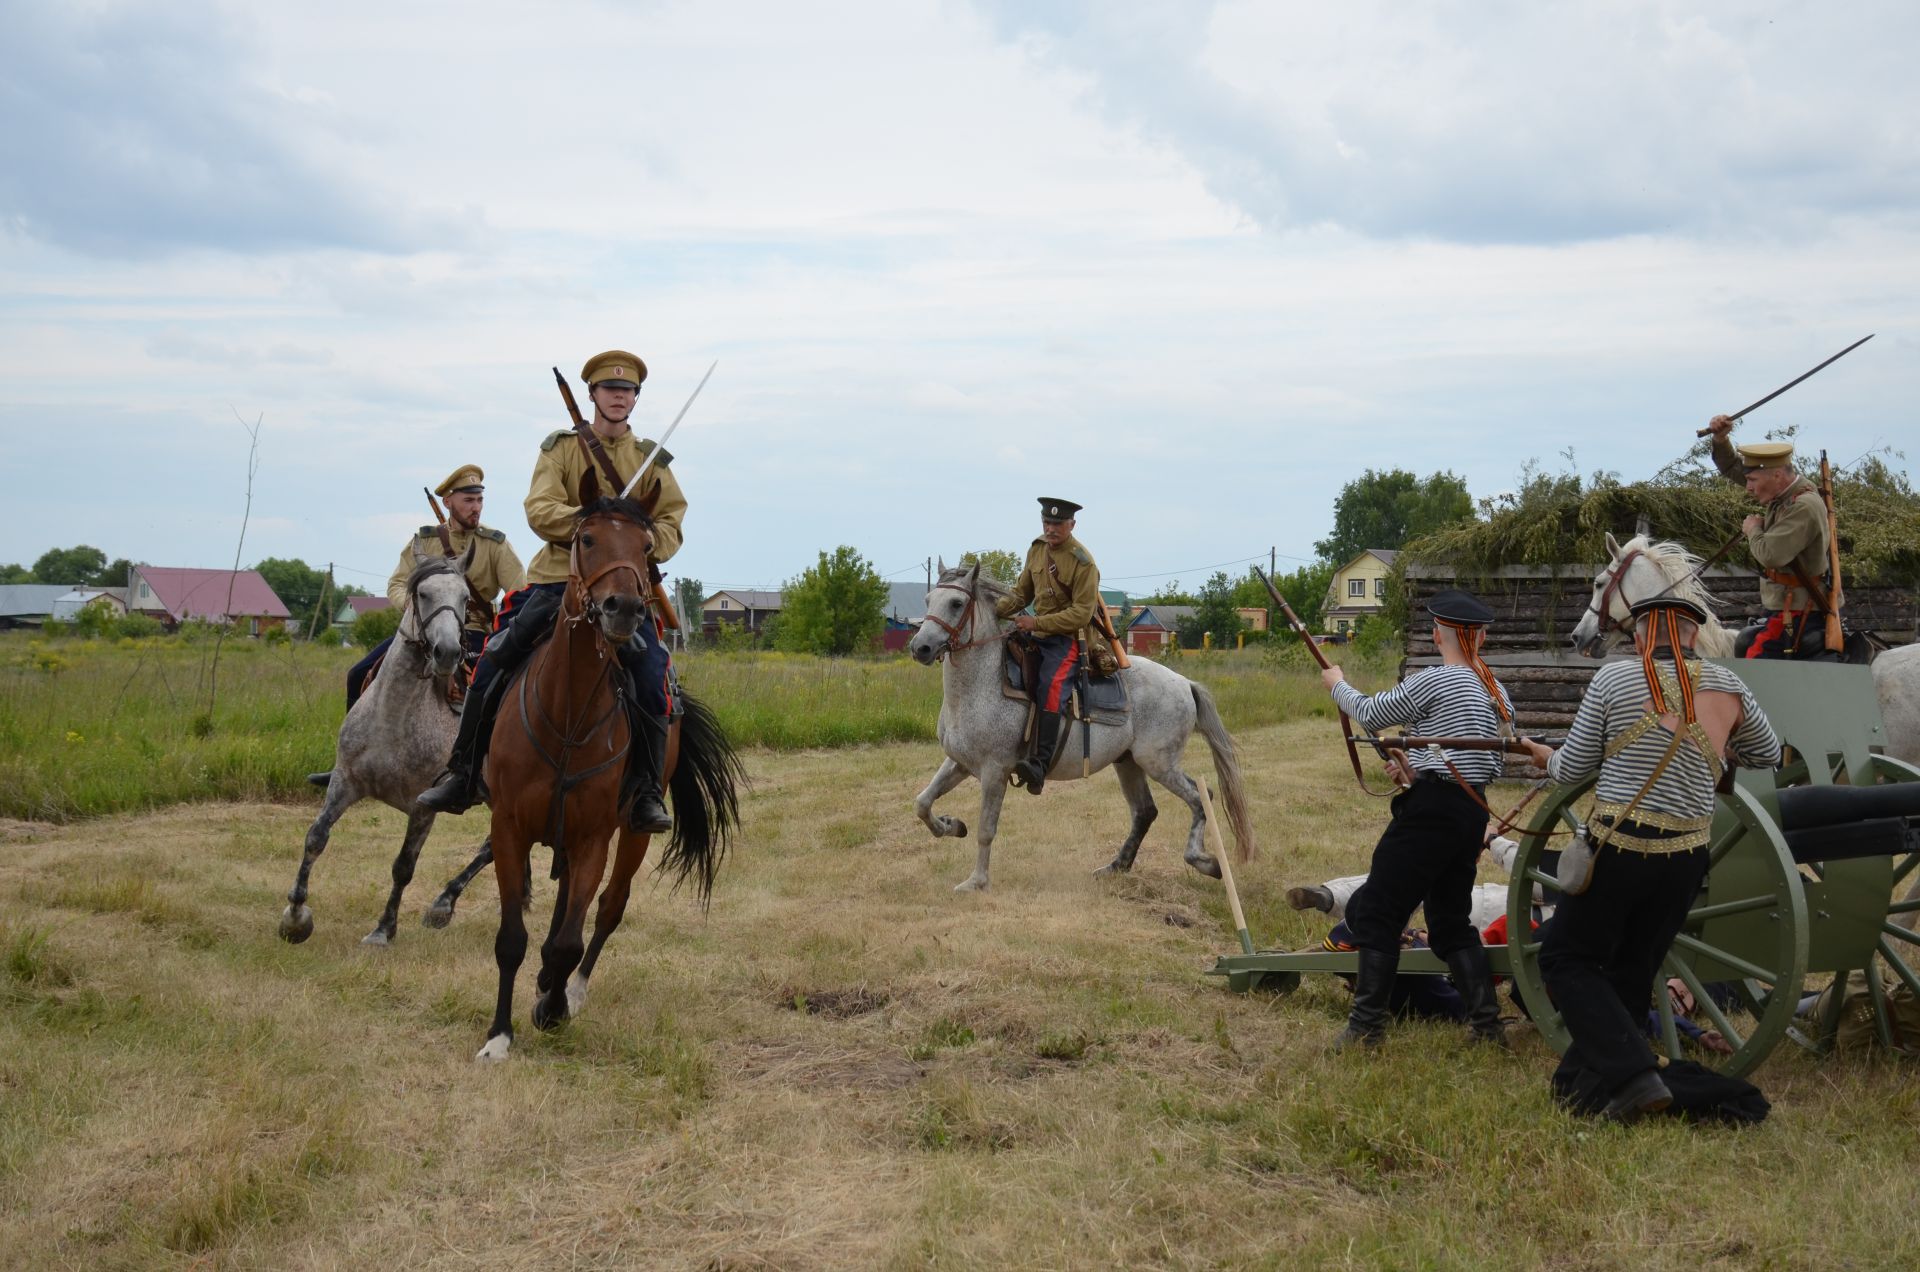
1101, 701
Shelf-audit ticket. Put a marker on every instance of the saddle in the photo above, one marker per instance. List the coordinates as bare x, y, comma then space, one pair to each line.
1103, 700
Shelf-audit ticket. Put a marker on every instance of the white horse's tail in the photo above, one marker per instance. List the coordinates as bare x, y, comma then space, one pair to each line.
1226, 766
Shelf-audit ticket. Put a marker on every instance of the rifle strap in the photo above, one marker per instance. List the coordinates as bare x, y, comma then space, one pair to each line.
1353, 757
598, 455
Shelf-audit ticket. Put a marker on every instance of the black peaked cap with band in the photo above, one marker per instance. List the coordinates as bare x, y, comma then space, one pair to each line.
1057, 509
1463, 609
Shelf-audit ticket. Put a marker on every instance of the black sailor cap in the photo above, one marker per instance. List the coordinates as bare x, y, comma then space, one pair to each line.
1691, 608
1463, 608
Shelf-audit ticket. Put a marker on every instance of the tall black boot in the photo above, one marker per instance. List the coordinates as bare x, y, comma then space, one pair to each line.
455, 790
640, 788
1032, 771
1372, 1000
1473, 977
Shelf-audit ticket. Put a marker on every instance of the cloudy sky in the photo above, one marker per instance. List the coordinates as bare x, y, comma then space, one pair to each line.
1193, 265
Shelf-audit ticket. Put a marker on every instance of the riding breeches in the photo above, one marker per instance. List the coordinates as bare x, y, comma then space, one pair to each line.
1059, 656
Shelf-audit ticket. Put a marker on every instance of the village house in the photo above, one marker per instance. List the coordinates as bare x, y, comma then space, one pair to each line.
67, 606
29, 604
738, 607
1358, 591
175, 595
353, 607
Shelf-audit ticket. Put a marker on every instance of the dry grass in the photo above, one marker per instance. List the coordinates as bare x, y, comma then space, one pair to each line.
845, 1064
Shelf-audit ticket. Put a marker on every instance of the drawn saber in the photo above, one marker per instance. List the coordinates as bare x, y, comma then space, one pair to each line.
1702, 432
662, 443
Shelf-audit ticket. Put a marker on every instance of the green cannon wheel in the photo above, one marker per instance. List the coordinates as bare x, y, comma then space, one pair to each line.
1748, 928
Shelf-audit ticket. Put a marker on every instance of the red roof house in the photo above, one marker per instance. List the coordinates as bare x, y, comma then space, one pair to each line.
175, 595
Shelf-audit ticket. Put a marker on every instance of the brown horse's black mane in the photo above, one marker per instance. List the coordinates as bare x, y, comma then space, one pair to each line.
628, 508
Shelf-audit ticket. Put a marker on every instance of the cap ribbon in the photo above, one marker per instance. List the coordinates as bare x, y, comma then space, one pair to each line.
1471, 637
1680, 674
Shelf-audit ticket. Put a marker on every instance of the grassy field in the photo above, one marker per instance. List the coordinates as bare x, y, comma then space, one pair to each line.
90, 727
843, 1064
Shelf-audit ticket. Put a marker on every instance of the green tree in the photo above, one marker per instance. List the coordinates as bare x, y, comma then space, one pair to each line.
1004, 566
1385, 509
1305, 589
688, 596
113, 574
76, 565
15, 573
298, 585
1213, 612
1169, 594
375, 626
836, 607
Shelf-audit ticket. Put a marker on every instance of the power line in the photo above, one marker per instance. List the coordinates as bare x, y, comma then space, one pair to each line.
1217, 565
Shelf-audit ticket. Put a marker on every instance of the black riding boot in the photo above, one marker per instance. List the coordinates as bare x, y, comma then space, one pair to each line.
1032, 771
641, 793
1473, 977
457, 787
1372, 1000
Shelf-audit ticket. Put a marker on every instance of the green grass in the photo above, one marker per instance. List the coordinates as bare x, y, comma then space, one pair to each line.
92, 727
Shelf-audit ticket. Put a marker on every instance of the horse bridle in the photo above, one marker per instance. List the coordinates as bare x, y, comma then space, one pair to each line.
955, 644
1601, 607
590, 607
419, 638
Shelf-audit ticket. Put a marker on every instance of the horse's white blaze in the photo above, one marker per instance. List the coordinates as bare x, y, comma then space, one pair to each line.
495, 1050
576, 993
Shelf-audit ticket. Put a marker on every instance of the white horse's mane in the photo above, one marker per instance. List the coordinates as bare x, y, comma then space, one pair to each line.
1676, 564
987, 586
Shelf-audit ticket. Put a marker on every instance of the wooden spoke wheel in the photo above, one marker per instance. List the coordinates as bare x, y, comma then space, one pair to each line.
1746, 934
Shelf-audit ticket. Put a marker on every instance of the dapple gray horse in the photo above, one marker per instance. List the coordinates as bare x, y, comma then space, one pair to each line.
981, 731
1654, 567
397, 737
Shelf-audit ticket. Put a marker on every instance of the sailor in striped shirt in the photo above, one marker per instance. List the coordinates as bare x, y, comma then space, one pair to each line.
1655, 732
1427, 855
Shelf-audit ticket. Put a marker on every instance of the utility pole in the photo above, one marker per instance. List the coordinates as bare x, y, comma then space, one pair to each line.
929, 574
320, 604
1271, 552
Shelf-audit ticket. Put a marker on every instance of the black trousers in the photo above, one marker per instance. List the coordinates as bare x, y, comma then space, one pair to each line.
1425, 858
1603, 948
646, 656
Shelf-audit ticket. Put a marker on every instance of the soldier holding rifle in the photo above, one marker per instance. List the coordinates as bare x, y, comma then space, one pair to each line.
613, 382
1428, 853
1788, 539
495, 567
1062, 584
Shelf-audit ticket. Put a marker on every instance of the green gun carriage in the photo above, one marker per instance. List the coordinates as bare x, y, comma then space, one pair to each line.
1806, 865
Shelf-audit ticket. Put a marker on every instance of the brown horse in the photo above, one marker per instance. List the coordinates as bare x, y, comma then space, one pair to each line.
558, 750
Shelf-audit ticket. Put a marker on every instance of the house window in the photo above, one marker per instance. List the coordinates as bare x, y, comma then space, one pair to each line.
1357, 587
1380, 588
723, 604
1343, 627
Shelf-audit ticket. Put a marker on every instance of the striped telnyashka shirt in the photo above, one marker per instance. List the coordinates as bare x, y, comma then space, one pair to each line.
1447, 701
1617, 702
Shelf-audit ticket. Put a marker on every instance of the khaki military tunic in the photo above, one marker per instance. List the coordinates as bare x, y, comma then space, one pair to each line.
553, 501
495, 568
1793, 531
1062, 584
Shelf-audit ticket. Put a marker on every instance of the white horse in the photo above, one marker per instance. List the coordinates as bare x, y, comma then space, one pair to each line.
1639, 569
395, 740
981, 731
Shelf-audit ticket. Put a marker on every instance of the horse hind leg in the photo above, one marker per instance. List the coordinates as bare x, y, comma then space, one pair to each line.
419, 825
1197, 856
440, 913
296, 921
1133, 784
627, 860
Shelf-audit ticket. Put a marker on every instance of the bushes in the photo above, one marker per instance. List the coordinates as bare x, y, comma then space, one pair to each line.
135, 625
375, 626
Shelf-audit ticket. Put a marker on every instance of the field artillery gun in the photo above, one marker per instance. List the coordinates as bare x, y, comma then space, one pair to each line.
1813, 872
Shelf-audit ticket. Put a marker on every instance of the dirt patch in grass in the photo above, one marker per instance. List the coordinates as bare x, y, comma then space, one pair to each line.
834, 1004
24, 832
812, 1068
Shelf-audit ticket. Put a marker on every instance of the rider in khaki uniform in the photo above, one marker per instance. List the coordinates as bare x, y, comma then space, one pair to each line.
1062, 584
1788, 539
495, 568
613, 382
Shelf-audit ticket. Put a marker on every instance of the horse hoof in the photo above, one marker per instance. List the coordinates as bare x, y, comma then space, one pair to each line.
495, 1051
438, 915
959, 829
1206, 865
1114, 867
378, 938
545, 1019
576, 994
971, 884
296, 924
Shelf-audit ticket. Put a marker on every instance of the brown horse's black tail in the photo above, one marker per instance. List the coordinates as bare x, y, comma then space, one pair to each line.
706, 786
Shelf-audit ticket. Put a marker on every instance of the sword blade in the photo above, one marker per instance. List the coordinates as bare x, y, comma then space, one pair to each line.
661, 444
1790, 383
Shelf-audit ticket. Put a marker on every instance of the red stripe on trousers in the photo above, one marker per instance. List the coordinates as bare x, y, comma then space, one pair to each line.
1060, 676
